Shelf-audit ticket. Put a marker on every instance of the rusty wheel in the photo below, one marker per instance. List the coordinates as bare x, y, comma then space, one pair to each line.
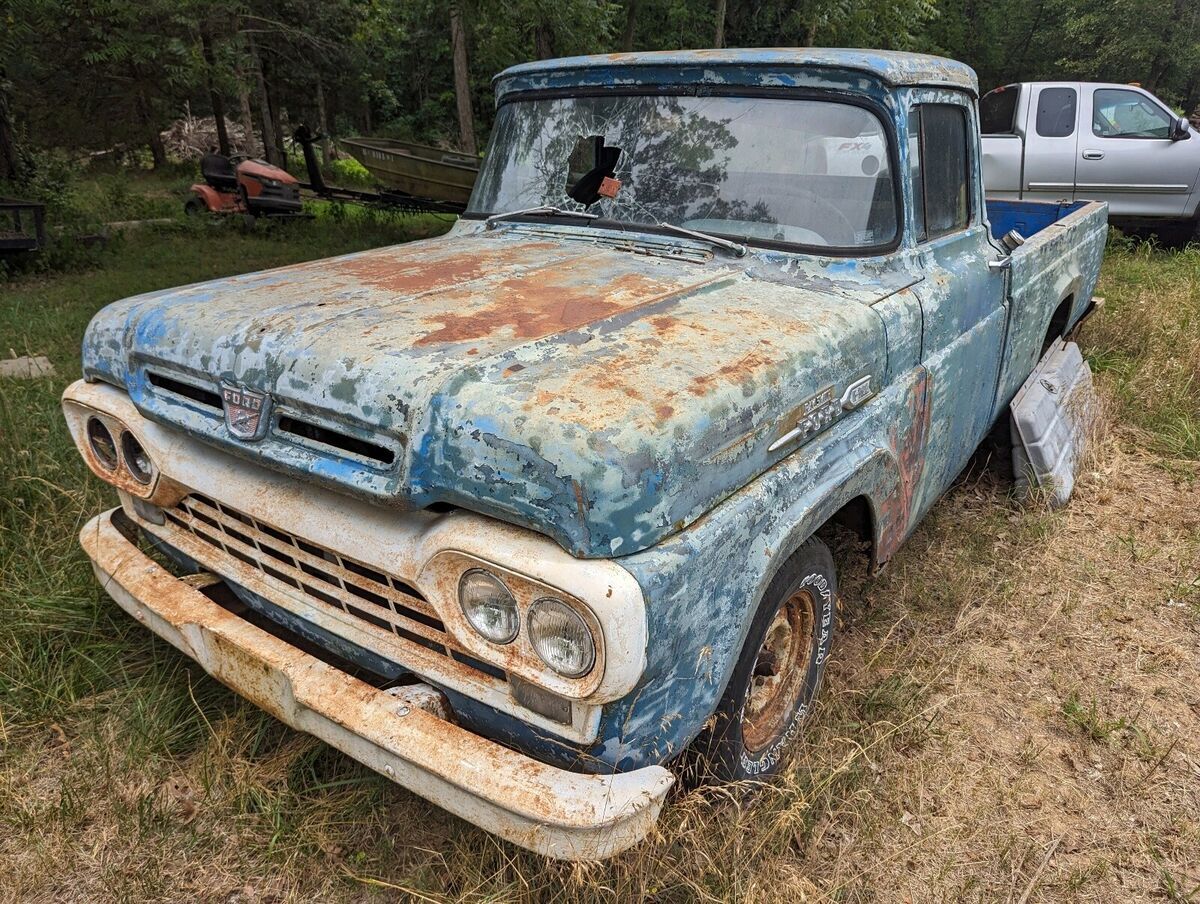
759, 720
779, 671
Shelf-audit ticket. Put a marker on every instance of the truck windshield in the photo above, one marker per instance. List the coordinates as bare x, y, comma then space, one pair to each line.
812, 173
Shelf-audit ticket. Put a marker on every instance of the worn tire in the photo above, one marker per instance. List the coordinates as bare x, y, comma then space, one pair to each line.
193, 207
757, 725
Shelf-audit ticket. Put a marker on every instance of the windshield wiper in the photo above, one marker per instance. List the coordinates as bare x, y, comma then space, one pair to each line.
543, 211
733, 247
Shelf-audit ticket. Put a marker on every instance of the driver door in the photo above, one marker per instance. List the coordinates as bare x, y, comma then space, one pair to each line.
962, 298
1127, 156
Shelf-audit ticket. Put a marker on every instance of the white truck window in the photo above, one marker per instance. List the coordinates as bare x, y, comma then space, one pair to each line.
1120, 113
940, 169
1056, 112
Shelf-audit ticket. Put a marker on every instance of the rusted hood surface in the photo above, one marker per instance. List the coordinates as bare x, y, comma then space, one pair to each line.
602, 397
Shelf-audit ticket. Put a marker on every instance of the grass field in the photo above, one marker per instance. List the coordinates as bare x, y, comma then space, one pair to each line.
1013, 713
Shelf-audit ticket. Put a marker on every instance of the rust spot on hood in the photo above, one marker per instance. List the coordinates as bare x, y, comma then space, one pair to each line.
548, 301
407, 274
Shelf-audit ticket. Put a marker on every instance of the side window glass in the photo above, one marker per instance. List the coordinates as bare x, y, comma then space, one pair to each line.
1056, 112
945, 168
1119, 113
914, 169
998, 111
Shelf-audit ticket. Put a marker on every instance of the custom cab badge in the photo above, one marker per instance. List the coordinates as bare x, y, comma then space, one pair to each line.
245, 411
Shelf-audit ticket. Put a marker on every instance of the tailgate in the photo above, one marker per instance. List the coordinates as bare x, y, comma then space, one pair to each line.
1058, 263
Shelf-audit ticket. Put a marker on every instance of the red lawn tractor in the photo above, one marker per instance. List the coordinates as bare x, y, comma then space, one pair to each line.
242, 185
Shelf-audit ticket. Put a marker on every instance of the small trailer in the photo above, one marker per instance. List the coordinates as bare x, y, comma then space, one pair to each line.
22, 226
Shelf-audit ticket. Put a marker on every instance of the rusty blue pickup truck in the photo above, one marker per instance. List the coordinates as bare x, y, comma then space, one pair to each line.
528, 515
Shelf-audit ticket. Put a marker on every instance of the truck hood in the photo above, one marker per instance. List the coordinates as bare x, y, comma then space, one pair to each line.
602, 397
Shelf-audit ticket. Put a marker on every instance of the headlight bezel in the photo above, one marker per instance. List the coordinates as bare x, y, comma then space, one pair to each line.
439, 579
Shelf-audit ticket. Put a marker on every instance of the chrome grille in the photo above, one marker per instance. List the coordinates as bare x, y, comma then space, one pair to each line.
324, 577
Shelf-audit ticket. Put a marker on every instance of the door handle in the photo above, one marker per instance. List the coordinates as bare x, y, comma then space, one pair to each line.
1093, 155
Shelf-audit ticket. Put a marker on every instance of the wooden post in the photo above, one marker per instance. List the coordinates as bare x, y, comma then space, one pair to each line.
719, 38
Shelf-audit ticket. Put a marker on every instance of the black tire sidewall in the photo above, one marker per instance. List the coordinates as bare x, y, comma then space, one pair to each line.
809, 568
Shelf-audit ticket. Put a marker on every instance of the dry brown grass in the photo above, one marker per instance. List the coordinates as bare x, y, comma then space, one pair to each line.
1013, 714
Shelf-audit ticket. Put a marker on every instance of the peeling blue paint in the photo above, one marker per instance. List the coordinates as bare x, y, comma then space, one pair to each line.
626, 404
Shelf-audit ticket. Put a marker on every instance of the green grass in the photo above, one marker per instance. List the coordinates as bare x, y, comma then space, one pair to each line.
127, 774
1147, 344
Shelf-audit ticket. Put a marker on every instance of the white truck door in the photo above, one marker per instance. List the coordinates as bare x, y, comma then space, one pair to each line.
1127, 157
1050, 142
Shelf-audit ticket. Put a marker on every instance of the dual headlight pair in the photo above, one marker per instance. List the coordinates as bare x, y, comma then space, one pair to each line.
111, 453
557, 633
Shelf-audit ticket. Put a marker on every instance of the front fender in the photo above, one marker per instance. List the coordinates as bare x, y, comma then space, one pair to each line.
703, 585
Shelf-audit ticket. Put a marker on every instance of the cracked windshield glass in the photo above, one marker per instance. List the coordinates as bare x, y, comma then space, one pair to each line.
803, 172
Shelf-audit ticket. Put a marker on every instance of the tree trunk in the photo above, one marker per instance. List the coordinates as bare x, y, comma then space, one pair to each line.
719, 37
630, 26
462, 80
214, 96
323, 124
1191, 100
158, 151
1166, 53
247, 117
270, 145
278, 114
11, 168
543, 41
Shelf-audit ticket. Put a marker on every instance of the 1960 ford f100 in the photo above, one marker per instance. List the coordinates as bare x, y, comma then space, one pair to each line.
518, 515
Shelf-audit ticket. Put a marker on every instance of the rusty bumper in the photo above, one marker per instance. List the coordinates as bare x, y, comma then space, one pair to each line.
552, 811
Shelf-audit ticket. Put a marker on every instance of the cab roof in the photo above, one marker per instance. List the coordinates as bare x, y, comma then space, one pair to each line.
757, 66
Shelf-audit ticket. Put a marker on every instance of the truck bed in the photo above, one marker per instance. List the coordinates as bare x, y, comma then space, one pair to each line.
1051, 276
1027, 217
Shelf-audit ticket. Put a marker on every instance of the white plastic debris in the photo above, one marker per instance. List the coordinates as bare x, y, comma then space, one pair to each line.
26, 367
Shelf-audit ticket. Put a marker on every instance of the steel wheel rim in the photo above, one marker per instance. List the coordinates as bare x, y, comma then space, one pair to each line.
779, 673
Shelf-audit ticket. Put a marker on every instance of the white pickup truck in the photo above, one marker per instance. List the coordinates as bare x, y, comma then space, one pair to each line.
1077, 141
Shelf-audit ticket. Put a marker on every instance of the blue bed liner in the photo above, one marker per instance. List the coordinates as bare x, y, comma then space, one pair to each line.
1027, 217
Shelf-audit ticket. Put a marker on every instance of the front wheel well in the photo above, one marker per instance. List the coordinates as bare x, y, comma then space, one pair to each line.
850, 532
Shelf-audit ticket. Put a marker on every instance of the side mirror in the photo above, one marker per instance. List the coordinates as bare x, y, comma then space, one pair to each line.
1181, 129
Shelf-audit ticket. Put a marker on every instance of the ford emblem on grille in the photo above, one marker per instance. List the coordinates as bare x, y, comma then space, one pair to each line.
245, 411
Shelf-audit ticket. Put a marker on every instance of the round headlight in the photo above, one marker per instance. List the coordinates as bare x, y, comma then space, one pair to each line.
561, 637
488, 606
104, 447
137, 459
